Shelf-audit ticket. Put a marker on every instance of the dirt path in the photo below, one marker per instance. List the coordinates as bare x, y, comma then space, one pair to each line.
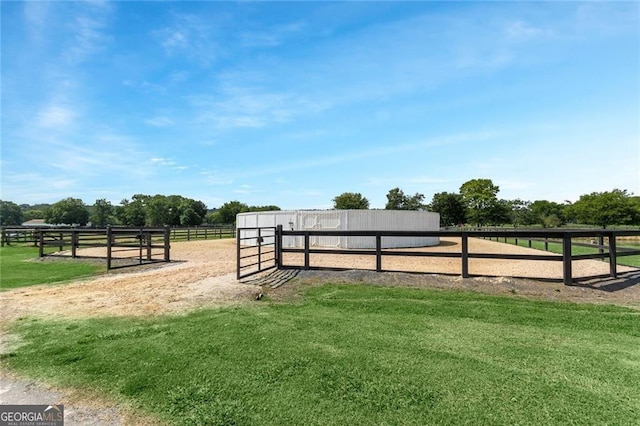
202, 273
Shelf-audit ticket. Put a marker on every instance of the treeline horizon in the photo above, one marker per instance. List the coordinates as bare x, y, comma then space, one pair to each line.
476, 204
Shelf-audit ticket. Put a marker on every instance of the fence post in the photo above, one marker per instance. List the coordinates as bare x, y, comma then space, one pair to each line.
238, 253
279, 247
378, 253
259, 241
601, 244
148, 242
109, 243
613, 256
4, 237
74, 242
140, 235
465, 255
306, 250
40, 243
167, 243
566, 259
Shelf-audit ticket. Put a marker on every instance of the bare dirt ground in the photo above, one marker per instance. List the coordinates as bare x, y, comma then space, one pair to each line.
202, 274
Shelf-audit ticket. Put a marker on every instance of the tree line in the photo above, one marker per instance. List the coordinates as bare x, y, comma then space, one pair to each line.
140, 210
477, 203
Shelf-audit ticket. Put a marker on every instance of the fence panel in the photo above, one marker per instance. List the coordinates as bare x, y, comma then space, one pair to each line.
257, 250
566, 238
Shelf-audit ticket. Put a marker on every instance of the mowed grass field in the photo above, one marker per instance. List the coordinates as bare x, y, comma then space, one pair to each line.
555, 247
20, 267
355, 354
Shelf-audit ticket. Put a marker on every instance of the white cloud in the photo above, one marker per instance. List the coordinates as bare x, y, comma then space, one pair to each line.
55, 117
271, 37
519, 30
89, 31
250, 107
190, 36
160, 121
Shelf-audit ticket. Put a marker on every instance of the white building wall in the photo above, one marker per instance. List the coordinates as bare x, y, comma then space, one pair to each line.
356, 220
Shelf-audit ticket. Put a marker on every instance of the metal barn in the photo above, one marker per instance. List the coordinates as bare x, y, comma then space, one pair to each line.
356, 220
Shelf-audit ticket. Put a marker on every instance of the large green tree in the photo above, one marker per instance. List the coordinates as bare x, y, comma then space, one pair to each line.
350, 201
549, 214
451, 208
397, 200
132, 213
10, 214
615, 207
520, 212
70, 211
102, 211
160, 210
226, 214
481, 201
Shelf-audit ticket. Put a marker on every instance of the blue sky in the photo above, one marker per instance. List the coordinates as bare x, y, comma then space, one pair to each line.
294, 103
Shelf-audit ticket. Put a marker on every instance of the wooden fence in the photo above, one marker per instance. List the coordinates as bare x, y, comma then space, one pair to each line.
202, 233
123, 246
567, 239
25, 235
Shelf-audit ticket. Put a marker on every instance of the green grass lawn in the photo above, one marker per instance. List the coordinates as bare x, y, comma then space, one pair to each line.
577, 250
20, 267
355, 354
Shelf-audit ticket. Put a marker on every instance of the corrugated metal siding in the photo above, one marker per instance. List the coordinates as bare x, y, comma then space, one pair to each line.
357, 220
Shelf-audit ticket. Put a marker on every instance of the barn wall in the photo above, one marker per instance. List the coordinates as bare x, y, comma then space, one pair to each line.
357, 220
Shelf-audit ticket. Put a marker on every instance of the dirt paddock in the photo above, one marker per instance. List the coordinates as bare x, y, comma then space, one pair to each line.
202, 273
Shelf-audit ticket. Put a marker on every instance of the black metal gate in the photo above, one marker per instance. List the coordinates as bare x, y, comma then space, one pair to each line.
256, 250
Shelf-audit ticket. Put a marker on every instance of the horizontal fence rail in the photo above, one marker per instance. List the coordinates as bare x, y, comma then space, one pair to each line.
202, 233
566, 238
123, 246
24, 235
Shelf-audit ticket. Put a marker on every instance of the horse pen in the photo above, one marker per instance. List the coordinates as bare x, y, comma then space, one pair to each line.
122, 247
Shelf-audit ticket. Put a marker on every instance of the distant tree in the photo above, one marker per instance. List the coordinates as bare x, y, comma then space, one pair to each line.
269, 208
451, 208
189, 217
70, 211
498, 213
397, 200
161, 211
192, 212
31, 214
549, 214
520, 212
606, 208
10, 214
132, 213
350, 201
481, 201
102, 211
226, 214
